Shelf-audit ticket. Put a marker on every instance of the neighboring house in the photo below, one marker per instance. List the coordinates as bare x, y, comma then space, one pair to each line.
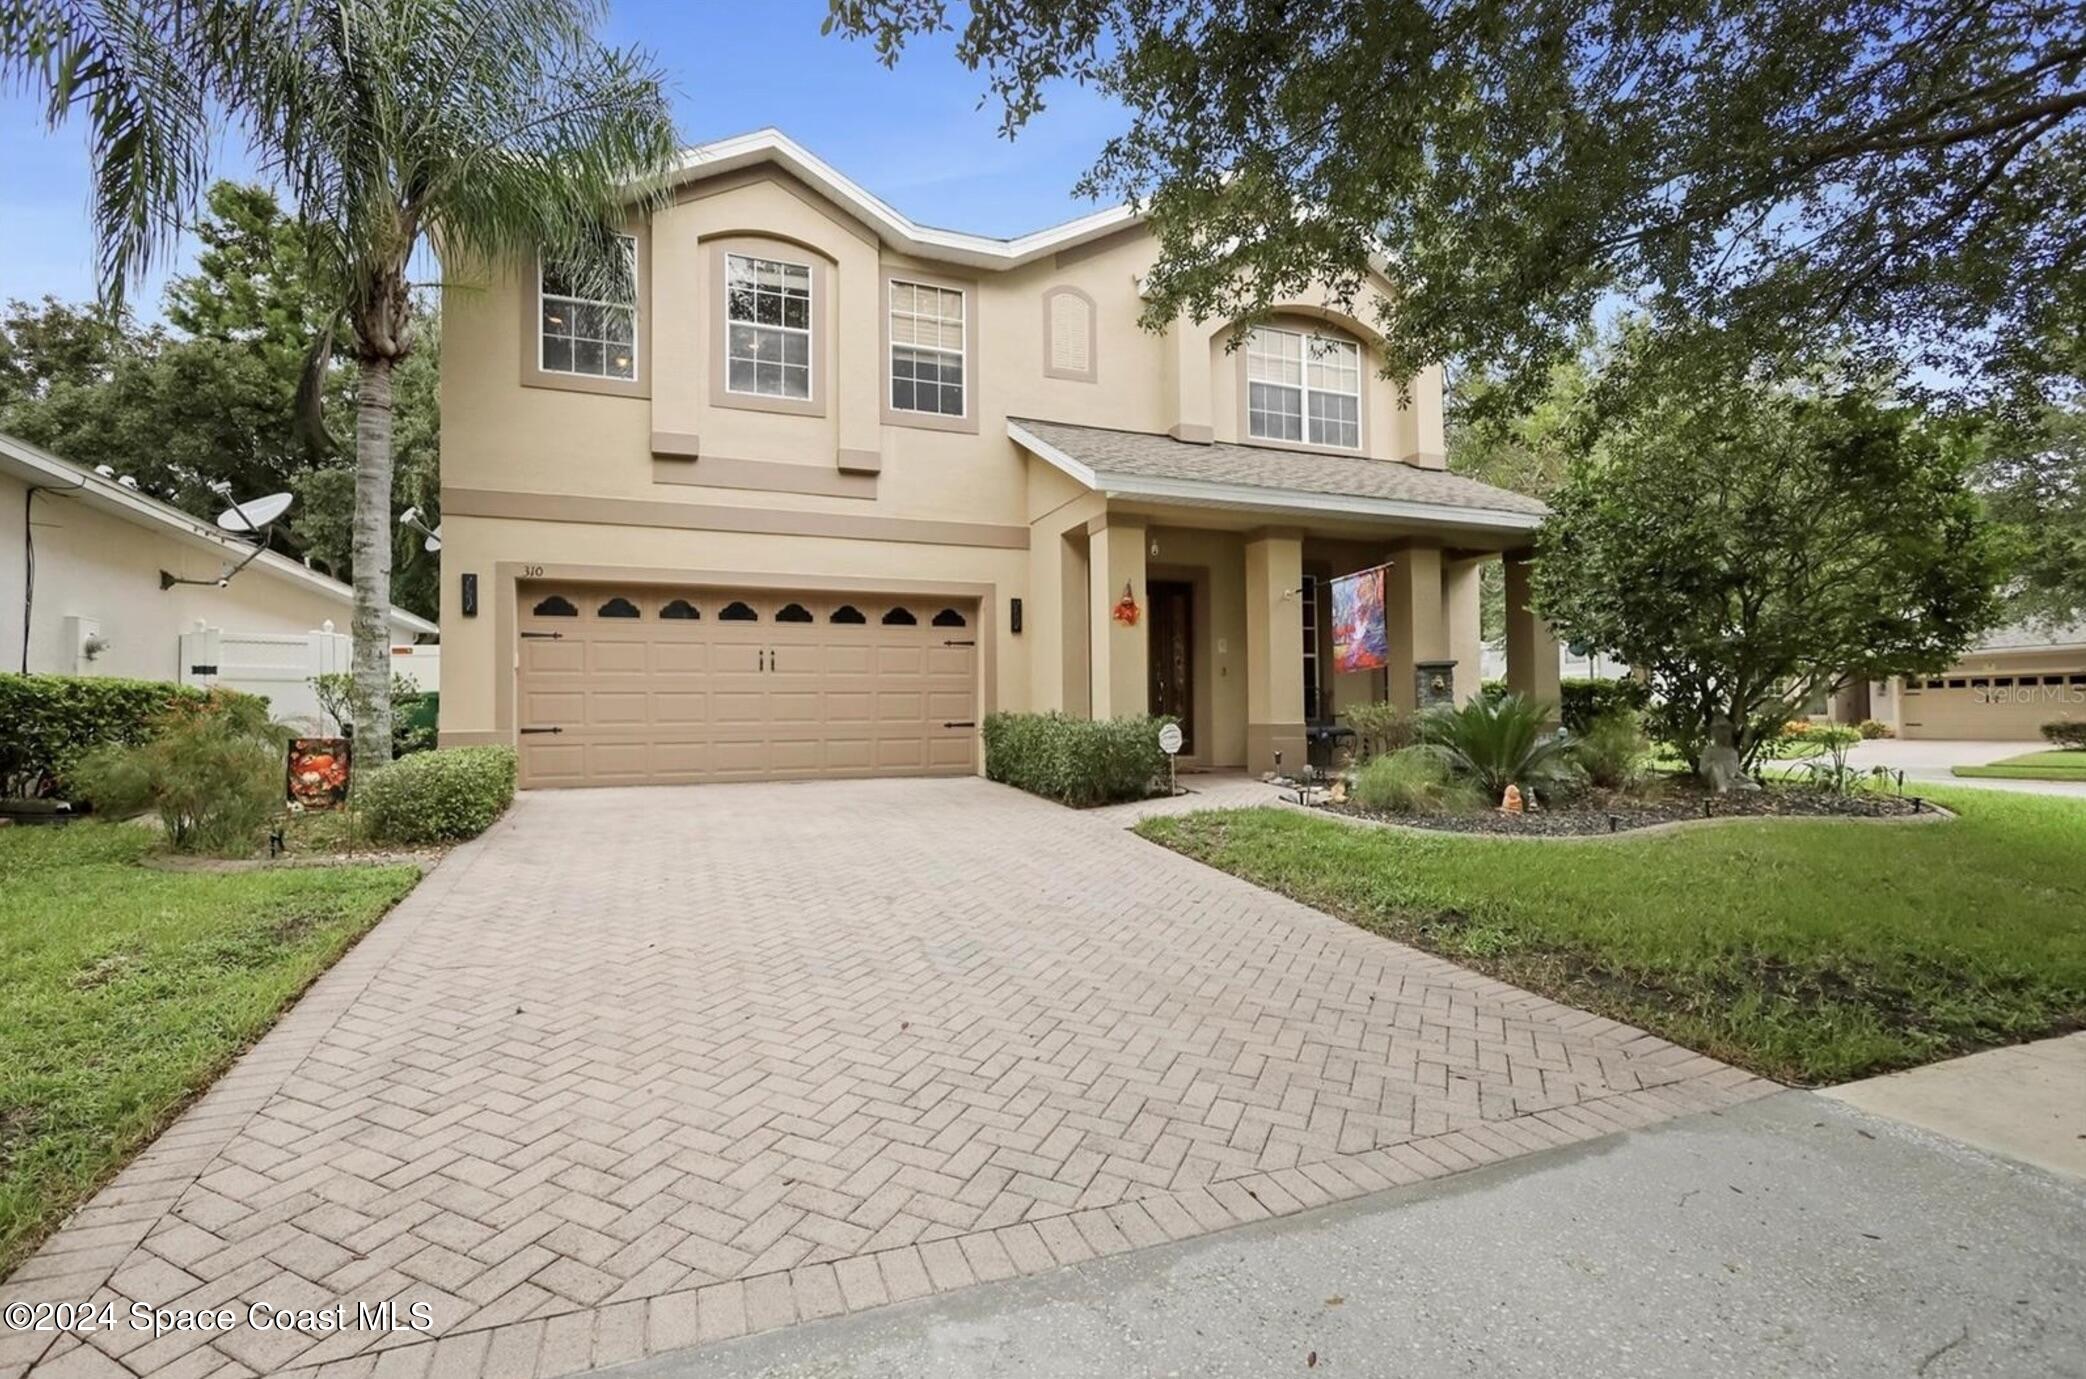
81, 589
2004, 690
833, 486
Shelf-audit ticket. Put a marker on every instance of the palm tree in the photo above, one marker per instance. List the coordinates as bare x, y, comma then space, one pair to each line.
489, 128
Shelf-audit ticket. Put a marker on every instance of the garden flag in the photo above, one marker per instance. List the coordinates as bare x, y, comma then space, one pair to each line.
1358, 636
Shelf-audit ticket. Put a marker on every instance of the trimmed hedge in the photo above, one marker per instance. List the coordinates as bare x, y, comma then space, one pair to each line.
1076, 761
2066, 732
442, 796
1584, 702
48, 722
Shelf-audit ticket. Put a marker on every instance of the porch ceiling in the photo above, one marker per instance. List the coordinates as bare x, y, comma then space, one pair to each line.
1262, 480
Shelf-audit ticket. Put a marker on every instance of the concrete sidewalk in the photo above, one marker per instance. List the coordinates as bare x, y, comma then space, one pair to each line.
2027, 1102
1795, 1235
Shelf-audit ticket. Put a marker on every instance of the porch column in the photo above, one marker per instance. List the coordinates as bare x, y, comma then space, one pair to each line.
1120, 656
1461, 609
1274, 650
1414, 618
1531, 649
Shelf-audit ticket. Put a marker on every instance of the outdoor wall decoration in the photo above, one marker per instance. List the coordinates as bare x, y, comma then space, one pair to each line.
318, 772
1359, 640
1126, 607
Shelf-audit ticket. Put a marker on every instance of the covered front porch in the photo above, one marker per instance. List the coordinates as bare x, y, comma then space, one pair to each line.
1233, 622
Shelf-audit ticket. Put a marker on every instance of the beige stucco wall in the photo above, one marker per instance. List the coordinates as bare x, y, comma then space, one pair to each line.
92, 564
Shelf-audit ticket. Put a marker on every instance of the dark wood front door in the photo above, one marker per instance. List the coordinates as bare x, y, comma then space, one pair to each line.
1173, 655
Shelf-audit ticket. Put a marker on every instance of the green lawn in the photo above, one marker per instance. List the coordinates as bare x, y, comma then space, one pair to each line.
1810, 950
2054, 765
128, 990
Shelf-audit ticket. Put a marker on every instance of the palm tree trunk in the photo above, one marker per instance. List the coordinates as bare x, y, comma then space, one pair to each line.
372, 555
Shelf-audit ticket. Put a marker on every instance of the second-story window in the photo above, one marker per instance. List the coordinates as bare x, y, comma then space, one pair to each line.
586, 333
767, 326
926, 349
1303, 387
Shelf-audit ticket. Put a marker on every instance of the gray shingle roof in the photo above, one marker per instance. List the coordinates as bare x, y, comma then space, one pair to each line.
2022, 636
1141, 455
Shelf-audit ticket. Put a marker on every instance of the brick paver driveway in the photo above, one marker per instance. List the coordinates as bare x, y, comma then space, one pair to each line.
645, 1068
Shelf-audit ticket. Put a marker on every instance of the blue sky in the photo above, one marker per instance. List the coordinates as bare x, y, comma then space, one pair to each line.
914, 135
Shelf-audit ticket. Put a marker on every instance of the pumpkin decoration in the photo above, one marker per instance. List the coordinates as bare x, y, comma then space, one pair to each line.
1126, 607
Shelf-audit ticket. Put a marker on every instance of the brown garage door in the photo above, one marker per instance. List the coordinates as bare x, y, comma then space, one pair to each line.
638, 685
1994, 706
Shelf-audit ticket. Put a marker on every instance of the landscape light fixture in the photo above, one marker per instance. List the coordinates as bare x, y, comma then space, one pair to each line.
252, 519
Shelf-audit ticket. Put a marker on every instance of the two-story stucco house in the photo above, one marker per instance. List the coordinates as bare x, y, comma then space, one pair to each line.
833, 486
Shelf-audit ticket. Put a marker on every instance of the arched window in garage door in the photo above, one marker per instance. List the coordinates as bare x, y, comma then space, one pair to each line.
794, 612
617, 607
681, 609
949, 617
556, 606
901, 617
735, 611
849, 614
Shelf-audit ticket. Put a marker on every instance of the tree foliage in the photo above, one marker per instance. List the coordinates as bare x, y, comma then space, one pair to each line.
1749, 543
1904, 173
210, 398
2035, 481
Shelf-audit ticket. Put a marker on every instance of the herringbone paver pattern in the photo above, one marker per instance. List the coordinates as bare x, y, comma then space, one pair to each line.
643, 1069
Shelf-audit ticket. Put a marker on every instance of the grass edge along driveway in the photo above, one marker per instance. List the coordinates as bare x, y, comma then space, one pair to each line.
2063, 764
129, 990
1811, 951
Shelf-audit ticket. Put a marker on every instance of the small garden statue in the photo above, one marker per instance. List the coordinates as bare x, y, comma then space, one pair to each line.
1510, 803
1720, 764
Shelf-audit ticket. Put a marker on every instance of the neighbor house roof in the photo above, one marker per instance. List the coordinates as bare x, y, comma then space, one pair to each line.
2031, 636
772, 146
1138, 464
47, 471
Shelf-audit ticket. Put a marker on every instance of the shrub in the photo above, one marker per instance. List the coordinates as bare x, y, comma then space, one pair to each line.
1381, 727
2066, 733
1870, 730
1412, 781
1495, 745
212, 770
1581, 702
1613, 751
412, 712
1076, 761
47, 722
437, 797
1831, 771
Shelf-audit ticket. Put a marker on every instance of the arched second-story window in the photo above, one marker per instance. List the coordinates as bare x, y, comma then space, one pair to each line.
1303, 387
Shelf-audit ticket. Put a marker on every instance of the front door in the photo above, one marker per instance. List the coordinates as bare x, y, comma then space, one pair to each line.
1173, 655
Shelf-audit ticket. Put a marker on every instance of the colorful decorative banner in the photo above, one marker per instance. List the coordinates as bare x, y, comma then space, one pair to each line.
1359, 641
318, 772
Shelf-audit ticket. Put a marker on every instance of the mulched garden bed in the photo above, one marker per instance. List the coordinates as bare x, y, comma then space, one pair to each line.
1677, 804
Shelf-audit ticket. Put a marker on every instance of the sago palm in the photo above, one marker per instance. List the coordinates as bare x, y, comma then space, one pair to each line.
495, 128
1497, 743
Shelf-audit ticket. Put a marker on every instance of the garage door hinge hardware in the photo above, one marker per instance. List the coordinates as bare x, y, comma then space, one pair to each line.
543, 730
967, 723
545, 636
955, 643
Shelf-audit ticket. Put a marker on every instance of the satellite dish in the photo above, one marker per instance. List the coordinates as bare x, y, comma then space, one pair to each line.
251, 517
434, 539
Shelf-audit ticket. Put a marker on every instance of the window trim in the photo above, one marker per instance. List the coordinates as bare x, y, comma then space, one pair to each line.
811, 368
782, 251
1306, 326
529, 293
929, 421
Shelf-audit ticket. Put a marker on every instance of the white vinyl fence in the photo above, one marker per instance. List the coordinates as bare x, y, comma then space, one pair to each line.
279, 665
